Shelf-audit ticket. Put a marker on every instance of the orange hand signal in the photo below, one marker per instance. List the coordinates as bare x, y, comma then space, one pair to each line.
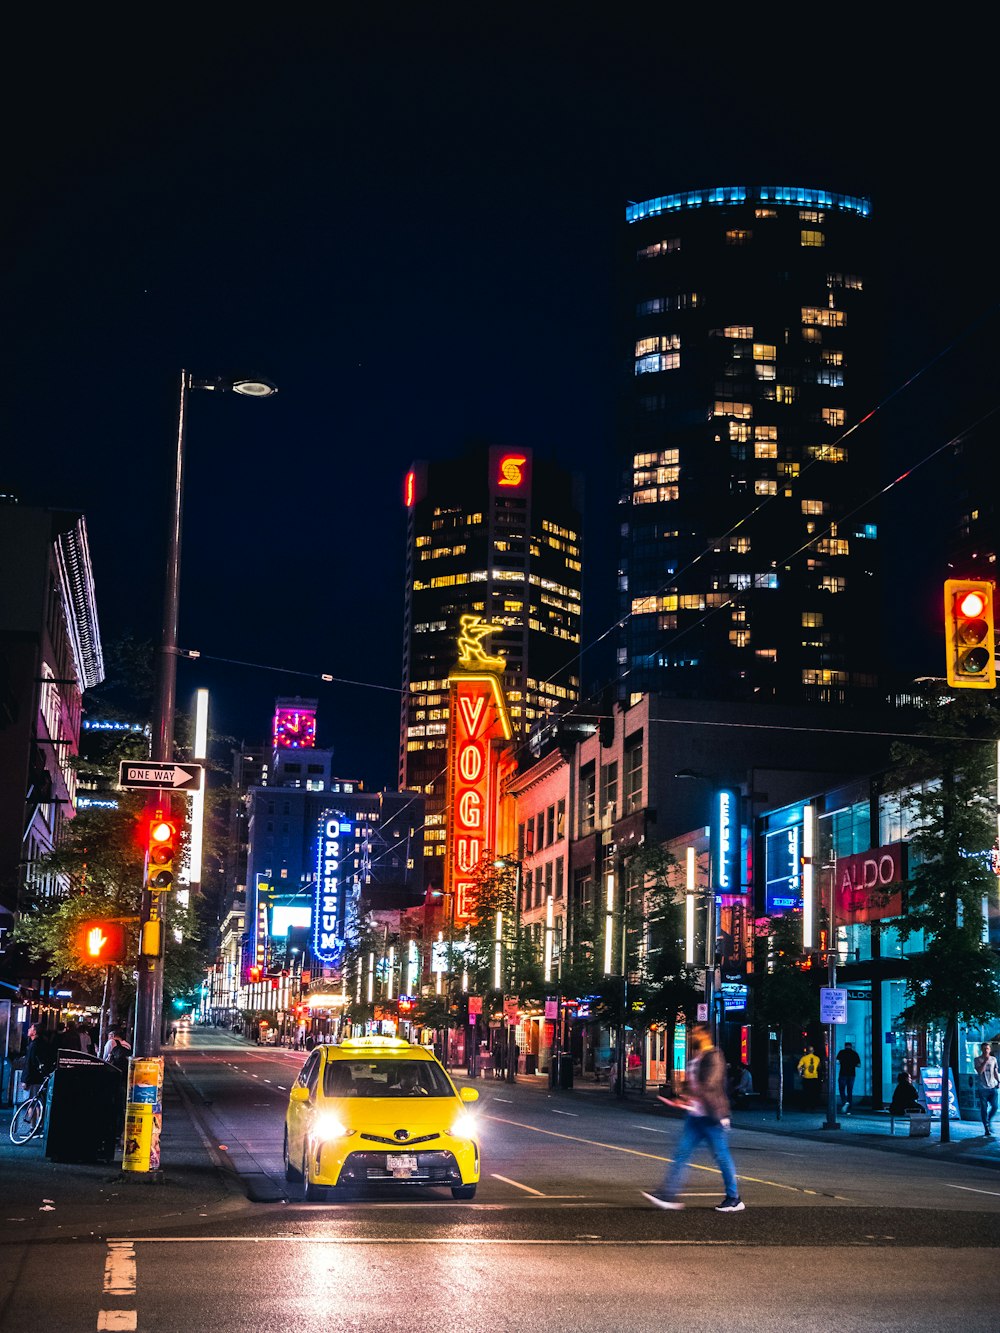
96, 940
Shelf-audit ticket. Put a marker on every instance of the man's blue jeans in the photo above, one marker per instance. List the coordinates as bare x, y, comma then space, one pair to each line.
846, 1082
699, 1129
987, 1098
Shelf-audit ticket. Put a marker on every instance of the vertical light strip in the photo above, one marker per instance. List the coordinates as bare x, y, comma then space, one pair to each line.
689, 909
609, 921
200, 752
371, 978
497, 946
465, 963
438, 970
549, 924
808, 877
391, 971
411, 967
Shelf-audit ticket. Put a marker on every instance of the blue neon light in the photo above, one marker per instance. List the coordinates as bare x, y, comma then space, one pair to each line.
328, 942
798, 196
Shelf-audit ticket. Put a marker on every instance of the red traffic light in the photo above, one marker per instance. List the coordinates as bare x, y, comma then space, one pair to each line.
162, 850
100, 943
969, 633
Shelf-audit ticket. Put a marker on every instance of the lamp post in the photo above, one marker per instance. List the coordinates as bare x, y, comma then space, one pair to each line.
149, 985
449, 894
509, 863
713, 995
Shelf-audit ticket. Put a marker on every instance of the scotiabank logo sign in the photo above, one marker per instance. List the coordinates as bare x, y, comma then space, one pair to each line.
869, 884
477, 715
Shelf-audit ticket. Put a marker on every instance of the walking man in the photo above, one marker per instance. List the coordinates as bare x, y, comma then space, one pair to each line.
808, 1069
707, 1121
848, 1061
987, 1085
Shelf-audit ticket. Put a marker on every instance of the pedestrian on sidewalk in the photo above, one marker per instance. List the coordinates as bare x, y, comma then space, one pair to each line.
808, 1071
707, 1121
848, 1062
39, 1060
987, 1085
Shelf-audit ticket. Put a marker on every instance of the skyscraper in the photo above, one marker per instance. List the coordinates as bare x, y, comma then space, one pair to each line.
748, 556
495, 533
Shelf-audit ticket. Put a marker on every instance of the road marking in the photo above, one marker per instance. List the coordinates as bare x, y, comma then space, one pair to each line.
407, 1240
282, 1088
651, 1129
119, 1270
506, 1100
119, 1280
121, 1321
517, 1185
970, 1190
574, 1114
635, 1152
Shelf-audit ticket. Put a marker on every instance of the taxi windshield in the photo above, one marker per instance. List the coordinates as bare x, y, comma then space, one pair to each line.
385, 1078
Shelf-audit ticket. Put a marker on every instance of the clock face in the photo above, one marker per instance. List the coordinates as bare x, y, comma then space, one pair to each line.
293, 729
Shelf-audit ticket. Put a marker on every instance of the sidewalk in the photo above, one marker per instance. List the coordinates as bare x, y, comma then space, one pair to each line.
45, 1198
863, 1129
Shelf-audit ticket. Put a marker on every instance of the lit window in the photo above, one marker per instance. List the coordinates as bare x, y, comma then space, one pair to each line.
764, 352
812, 619
833, 583
809, 237
738, 331
833, 416
764, 449
824, 317
738, 236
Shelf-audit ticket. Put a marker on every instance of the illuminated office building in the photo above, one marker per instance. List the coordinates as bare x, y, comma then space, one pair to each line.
748, 556
495, 533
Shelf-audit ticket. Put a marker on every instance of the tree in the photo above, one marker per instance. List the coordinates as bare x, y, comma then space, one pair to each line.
946, 786
667, 983
783, 995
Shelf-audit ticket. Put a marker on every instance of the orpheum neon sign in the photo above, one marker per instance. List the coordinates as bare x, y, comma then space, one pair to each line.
328, 942
477, 718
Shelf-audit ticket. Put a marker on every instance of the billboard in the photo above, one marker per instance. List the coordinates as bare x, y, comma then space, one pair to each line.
783, 870
869, 885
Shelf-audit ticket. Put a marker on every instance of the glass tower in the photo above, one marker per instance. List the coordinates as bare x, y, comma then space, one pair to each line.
748, 552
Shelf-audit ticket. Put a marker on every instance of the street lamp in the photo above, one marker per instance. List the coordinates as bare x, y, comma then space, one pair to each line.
149, 985
711, 924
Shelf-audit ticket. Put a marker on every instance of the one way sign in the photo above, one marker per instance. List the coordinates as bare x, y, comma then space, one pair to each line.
169, 776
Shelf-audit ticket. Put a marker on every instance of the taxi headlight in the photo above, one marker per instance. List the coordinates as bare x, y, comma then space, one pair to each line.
466, 1126
326, 1127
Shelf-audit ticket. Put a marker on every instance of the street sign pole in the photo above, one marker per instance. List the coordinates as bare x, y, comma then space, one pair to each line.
831, 1085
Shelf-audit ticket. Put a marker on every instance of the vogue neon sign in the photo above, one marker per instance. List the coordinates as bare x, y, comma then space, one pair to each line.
478, 716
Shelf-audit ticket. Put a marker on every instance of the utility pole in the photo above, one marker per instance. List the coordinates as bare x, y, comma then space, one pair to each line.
831, 962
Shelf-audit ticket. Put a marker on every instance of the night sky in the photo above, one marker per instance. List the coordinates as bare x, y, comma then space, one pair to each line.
411, 225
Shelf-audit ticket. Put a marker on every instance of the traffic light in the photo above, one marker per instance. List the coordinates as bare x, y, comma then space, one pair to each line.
254, 974
100, 943
163, 849
968, 620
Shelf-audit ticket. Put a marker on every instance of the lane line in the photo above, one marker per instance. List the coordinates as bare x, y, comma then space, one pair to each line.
651, 1129
970, 1190
117, 1321
635, 1152
411, 1240
517, 1185
119, 1270
574, 1114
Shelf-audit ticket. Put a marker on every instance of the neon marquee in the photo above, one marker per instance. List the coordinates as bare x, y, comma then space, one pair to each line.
328, 941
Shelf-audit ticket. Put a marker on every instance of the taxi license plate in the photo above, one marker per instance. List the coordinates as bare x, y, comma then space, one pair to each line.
401, 1164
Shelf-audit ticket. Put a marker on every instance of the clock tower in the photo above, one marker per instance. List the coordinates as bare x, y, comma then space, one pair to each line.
294, 725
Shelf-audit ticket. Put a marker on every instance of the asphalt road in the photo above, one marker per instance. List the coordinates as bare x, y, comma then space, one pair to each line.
835, 1236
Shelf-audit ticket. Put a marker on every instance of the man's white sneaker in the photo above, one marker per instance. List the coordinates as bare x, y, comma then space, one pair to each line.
730, 1206
661, 1201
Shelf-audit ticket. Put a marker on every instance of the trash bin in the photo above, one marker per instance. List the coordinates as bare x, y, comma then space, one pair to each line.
82, 1109
530, 1063
565, 1071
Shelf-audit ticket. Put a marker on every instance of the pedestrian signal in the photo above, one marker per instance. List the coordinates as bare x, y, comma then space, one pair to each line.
101, 943
162, 852
969, 633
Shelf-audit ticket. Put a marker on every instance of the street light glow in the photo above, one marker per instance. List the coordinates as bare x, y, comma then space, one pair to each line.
255, 388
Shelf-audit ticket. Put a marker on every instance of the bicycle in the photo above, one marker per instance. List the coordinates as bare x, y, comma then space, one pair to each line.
29, 1117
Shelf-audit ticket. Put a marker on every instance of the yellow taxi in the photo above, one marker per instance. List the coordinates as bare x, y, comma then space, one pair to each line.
379, 1109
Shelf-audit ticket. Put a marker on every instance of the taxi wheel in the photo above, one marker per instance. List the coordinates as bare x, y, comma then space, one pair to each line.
290, 1172
463, 1191
314, 1193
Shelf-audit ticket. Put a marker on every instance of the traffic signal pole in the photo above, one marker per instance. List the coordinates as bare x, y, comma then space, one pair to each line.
149, 988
